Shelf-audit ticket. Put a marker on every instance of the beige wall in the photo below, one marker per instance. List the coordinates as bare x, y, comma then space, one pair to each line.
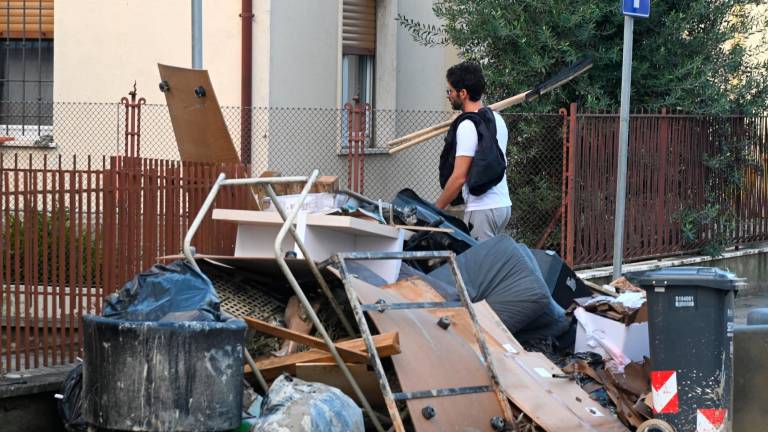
421, 70
102, 46
296, 63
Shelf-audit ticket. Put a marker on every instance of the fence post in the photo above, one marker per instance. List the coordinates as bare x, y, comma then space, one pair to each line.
132, 123
664, 225
567, 241
357, 115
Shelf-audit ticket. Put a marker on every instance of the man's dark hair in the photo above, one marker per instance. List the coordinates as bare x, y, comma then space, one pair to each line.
467, 75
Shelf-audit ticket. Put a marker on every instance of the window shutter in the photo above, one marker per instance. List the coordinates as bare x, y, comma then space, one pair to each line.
26, 19
359, 27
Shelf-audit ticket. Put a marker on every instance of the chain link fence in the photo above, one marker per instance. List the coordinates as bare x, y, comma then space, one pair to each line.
293, 141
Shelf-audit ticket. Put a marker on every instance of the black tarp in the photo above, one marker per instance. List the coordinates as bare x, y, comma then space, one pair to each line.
505, 274
174, 292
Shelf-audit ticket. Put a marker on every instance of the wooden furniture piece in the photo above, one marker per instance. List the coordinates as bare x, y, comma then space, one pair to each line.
323, 236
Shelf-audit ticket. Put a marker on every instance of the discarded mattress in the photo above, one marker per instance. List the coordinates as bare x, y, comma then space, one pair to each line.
296, 405
505, 274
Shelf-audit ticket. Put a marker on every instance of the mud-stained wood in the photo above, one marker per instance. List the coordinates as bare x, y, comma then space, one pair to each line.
329, 373
387, 344
284, 333
433, 358
555, 404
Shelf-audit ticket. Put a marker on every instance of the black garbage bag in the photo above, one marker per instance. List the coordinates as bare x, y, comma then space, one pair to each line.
70, 405
175, 292
504, 273
552, 322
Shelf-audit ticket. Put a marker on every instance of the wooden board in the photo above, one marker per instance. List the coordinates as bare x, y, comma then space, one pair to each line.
347, 354
416, 290
555, 404
328, 184
387, 344
433, 358
201, 133
346, 224
329, 373
323, 236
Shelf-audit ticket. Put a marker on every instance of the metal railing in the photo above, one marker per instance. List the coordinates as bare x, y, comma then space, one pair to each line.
667, 174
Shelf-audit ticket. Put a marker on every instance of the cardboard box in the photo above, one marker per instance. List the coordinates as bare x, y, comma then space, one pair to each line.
623, 341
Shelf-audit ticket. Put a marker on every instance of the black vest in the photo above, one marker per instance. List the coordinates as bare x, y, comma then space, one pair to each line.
488, 165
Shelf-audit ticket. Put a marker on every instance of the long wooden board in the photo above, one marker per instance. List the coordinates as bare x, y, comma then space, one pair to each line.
555, 404
433, 358
387, 344
347, 354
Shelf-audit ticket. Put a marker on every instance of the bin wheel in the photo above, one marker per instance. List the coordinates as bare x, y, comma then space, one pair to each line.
655, 425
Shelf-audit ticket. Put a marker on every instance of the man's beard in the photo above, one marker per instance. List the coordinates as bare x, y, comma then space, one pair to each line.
457, 105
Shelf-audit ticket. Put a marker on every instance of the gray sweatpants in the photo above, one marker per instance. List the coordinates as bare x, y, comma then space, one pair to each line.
487, 223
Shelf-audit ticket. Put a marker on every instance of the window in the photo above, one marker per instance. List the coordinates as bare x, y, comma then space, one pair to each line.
26, 71
358, 61
357, 78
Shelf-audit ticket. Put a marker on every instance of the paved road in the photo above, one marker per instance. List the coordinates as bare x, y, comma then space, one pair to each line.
744, 304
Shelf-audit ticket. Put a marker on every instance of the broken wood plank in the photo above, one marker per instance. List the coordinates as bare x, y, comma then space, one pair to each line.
328, 184
347, 354
432, 359
329, 373
526, 378
387, 345
296, 319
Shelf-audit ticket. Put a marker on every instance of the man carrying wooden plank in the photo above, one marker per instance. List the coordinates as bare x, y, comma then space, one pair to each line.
473, 160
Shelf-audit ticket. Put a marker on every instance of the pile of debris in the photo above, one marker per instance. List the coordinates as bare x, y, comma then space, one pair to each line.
373, 315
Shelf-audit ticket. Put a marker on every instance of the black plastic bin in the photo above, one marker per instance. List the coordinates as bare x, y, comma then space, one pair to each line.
162, 376
690, 314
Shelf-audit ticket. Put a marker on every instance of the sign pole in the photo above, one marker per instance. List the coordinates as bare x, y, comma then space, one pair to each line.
621, 178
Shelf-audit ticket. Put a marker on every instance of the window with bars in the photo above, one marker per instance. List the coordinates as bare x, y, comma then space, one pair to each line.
26, 71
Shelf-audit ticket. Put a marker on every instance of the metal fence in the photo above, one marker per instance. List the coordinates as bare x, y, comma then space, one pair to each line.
75, 232
293, 141
77, 222
668, 173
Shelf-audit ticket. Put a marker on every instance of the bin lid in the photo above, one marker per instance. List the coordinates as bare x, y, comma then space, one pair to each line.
709, 277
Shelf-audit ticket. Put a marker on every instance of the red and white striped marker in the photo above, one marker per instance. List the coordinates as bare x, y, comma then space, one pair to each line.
664, 389
711, 420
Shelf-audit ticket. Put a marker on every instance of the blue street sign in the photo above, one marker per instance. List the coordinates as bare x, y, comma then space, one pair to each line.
636, 8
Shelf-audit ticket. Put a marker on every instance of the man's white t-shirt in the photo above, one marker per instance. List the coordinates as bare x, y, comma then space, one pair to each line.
466, 145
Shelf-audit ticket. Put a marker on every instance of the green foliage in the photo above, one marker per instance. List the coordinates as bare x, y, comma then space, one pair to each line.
688, 55
714, 223
534, 174
55, 236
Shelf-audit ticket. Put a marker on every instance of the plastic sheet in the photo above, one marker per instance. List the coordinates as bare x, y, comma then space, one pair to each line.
176, 292
505, 274
427, 214
300, 406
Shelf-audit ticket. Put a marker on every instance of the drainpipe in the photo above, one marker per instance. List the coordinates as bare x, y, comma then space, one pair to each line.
246, 80
197, 34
